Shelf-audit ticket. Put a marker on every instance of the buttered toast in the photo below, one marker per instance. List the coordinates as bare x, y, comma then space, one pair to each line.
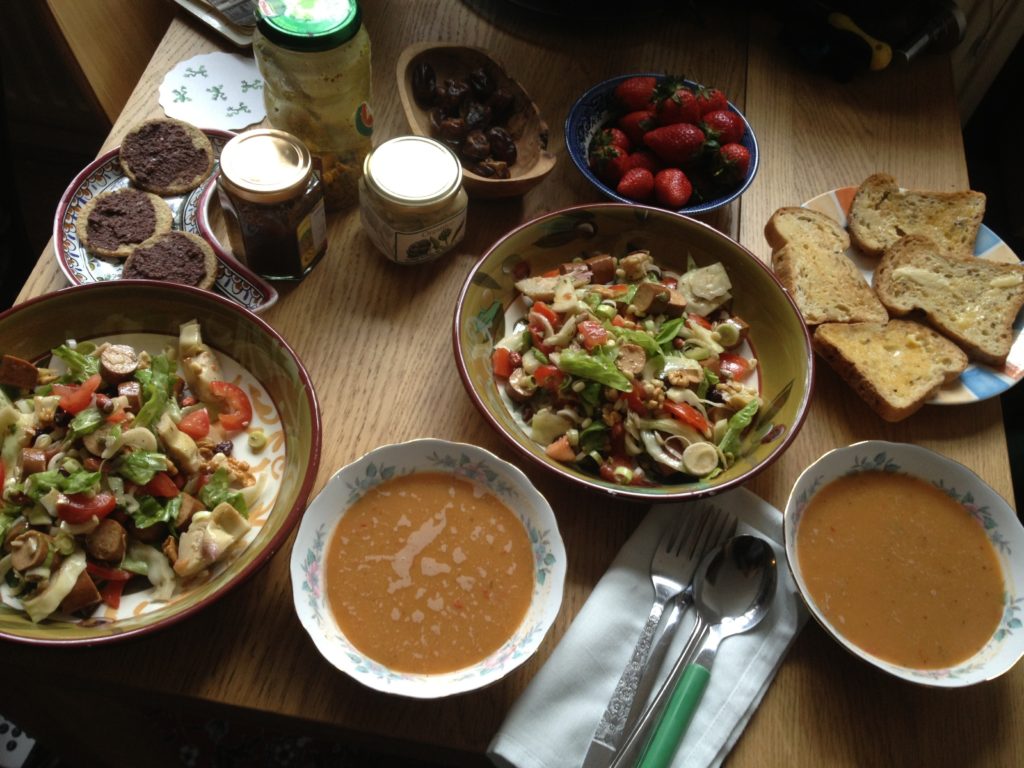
895, 367
881, 213
809, 258
974, 302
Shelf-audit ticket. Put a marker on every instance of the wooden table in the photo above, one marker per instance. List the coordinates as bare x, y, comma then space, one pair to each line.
365, 328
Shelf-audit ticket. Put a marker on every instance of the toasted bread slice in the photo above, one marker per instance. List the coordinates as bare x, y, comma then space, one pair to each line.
972, 301
113, 223
809, 258
881, 214
176, 257
166, 156
895, 367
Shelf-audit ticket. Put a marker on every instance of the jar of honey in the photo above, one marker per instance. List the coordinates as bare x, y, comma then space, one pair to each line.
273, 203
412, 204
314, 57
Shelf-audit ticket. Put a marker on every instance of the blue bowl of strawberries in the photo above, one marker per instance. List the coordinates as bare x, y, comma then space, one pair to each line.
662, 140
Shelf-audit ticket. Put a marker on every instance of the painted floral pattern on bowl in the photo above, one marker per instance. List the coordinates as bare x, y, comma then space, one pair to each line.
992, 513
484, 470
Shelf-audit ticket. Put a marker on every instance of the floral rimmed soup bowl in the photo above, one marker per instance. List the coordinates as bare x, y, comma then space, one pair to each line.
986, 517
485, 474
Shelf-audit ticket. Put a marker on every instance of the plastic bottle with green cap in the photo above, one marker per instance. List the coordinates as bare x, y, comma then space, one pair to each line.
314, 56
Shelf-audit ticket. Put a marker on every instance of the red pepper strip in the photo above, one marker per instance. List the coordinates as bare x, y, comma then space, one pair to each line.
111, 593
75, 399
107, 573
689, 415
238, 409
703, 322
161, 485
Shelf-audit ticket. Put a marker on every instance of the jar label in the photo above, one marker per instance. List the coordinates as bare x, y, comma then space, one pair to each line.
311, 234
364, 120
416, 245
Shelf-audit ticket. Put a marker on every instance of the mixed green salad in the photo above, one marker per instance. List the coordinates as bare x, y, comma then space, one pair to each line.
632, 372
117, 473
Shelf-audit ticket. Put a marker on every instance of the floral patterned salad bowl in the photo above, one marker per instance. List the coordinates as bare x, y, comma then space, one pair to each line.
487, 473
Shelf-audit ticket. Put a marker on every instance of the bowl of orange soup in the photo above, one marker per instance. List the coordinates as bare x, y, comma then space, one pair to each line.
428, 568
911, 561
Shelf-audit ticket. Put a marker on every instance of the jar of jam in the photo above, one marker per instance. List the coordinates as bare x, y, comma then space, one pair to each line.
273, 203
314, 57
412, 204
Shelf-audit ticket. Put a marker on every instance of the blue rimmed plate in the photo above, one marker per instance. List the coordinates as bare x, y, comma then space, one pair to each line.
978, 382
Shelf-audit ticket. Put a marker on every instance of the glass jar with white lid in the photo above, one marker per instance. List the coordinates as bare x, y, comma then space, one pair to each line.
412, 204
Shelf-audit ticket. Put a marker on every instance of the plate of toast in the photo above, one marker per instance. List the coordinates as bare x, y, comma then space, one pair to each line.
911, 298
134, 214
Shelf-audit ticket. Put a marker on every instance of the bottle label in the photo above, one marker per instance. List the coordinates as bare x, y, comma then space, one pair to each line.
364, 120
311, 234
416, 245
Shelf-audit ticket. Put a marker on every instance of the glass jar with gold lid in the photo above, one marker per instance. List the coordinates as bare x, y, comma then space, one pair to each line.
273, 203
412, 204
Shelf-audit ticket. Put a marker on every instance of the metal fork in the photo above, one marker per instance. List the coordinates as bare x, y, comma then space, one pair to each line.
672, 566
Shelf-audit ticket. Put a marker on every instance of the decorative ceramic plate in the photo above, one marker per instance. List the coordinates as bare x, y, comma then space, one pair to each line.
978, 382
489, 474
254, 356
104, 174
987, 507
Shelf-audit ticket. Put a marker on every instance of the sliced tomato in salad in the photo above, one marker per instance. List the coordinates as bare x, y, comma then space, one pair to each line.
105, 572
734, 366
501, 362
594, 334
549, 377
162, 485
703, 322
111, 593
195, 424
80, 507
237, 411
76, 398
689, 415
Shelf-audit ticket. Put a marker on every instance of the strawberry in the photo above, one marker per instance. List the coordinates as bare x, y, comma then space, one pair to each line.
635, 93
724, 126
608, 163
675, 144
636, 124
643, 158
612, 136
732, 164
636, 184
672, 188
710, 100
675, 104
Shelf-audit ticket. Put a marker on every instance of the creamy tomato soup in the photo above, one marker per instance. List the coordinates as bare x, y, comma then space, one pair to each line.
427, 573
900, 569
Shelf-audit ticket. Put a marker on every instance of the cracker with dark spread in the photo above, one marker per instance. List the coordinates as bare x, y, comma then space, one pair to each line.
113, 223
177, 257
165, 156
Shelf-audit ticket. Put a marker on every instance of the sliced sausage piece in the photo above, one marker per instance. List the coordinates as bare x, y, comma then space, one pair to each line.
83, 595
107, 541
29, 550
117, 363
131, 390
16, 372
602, 267
33, 460
149, 535
650, 298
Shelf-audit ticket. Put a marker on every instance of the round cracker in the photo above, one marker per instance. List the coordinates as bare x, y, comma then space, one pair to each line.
87, 235
141, 259
166, 156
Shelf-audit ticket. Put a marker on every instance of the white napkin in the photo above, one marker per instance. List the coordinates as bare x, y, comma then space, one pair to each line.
552, 723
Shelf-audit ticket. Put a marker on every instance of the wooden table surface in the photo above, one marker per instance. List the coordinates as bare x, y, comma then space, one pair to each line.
365, 328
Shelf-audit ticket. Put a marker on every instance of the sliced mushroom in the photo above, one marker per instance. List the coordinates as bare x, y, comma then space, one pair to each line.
139, 439
29, 550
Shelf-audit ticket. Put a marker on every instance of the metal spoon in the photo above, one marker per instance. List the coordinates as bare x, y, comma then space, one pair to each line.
733, 590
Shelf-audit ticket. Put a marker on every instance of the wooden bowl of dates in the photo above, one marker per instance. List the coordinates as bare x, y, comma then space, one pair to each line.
465, 99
